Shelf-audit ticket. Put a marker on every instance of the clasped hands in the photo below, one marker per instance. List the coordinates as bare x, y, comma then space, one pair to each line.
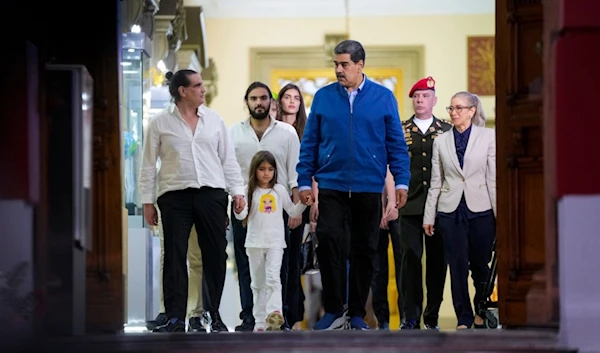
239, 202
307, 198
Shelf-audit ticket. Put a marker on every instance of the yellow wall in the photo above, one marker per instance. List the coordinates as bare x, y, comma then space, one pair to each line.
443, 37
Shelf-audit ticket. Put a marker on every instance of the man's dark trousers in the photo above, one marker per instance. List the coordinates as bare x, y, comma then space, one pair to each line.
412, 237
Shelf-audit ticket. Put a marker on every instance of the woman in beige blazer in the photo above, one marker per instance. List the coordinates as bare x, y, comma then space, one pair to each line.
462, 197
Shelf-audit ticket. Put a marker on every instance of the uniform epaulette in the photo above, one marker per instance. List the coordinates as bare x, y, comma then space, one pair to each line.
446, 121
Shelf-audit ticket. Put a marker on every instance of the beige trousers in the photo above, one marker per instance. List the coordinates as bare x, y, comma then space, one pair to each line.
194, 257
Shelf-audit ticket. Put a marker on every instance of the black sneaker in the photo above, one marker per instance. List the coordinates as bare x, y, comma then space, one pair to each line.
217, 324
410, 325
431, 327
383, 325
161, 319
195, 325
285, 326
173, 325
247, 325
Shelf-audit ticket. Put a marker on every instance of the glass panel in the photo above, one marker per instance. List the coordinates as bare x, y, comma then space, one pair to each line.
135, 110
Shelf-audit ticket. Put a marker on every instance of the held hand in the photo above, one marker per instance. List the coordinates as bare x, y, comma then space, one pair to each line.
314, 212
383, 224
401, 196
391, 213
150, 214
294, 222
239, 202
428, 228
306, 197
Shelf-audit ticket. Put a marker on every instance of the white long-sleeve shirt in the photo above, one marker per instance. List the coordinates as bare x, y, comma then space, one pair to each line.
188, 160
265, 220
280, 139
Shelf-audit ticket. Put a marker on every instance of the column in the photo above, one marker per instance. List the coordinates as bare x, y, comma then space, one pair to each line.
573, 166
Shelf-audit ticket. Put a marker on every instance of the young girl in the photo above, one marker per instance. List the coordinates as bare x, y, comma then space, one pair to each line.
265, 239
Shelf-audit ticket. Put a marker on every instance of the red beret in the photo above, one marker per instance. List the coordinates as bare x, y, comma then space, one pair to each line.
423, 84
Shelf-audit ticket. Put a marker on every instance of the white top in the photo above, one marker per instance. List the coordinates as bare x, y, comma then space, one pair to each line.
280, 139
265, 221
423, 124
188, 160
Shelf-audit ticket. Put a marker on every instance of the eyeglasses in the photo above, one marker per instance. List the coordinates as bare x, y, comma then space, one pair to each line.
458, 109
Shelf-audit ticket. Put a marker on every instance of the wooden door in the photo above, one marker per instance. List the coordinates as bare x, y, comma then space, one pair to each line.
521, 225
100, 54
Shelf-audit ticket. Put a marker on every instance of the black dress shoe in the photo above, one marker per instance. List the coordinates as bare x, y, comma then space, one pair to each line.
161, 319
217, 324
247, 325
173, 325
410, 325
195, 325
431, 327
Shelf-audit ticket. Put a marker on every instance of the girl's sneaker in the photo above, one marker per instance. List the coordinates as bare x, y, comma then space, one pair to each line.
274, 321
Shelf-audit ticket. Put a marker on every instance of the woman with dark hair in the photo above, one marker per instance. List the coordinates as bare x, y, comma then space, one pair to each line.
198, 169
291, 110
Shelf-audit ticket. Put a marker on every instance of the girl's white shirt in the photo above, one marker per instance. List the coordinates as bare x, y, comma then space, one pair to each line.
265, 218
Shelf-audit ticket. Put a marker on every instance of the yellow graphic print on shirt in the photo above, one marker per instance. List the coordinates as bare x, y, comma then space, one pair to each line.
267, 204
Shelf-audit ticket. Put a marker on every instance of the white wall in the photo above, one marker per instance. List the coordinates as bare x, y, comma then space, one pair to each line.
444, 38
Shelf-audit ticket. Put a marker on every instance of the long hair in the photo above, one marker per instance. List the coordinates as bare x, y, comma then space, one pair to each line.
474, 101
257, 160
300, 122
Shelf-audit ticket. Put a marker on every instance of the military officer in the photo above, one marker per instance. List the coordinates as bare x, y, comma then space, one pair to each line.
420, 131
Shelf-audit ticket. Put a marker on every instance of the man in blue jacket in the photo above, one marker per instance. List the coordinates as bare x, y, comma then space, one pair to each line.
353, 133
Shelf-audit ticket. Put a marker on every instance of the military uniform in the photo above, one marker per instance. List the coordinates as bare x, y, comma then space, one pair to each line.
420, 146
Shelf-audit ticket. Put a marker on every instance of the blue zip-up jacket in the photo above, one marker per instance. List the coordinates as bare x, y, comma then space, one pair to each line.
348, 149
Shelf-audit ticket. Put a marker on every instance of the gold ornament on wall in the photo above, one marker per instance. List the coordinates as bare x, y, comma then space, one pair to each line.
481, 65
331, 41
311, 80
157, 76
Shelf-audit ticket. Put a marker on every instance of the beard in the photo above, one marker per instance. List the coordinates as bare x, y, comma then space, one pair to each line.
259, 115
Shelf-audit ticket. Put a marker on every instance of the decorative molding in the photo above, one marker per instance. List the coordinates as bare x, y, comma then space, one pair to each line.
130, 13
211, 79
195, 34
178, 33
331, 41
187, 59
311, 80
330, 8
409, 60
160, 44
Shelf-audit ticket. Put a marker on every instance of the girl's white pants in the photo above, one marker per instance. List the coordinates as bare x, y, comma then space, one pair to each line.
265, 269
